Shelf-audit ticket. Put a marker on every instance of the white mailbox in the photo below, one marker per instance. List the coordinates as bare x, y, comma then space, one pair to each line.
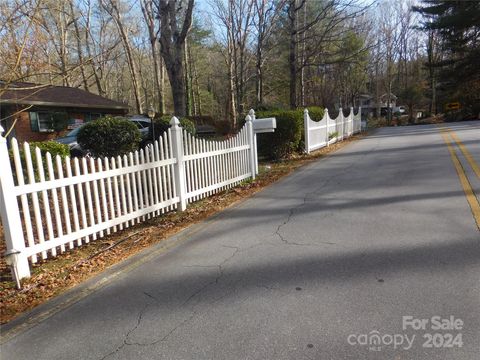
264, 125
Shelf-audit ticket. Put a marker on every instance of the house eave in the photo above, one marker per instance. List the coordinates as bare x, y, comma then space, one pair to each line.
56, 104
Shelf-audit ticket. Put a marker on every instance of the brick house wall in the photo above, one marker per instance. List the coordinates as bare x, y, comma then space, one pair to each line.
23, 130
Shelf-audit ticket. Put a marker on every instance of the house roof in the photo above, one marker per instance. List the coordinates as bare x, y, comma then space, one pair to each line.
392, 96
50, 95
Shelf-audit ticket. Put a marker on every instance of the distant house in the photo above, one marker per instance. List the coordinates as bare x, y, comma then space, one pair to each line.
34, 108
369, 104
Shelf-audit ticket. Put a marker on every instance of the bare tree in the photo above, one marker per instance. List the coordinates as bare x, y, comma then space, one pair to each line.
149, 16
175, 23
112, 8
236, 17
224, 13
321, 34
78, 38
265, 16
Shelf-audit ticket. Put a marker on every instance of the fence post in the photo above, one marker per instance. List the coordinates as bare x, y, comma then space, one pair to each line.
255, 153
306, 119
179, 167
10, 214
341, 118
327, 122
359, 115
350, 128
251, 140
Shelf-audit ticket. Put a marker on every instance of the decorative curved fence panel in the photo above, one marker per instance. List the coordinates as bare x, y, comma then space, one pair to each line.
319, 134
51, 205
212, 166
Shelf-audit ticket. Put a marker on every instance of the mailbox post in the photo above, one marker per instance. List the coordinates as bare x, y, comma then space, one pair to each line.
266, 125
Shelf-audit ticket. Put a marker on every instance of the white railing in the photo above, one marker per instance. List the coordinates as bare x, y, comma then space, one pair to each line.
50, 205
319, 134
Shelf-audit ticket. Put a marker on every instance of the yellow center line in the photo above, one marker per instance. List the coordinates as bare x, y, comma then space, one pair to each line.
467, 187
465, 152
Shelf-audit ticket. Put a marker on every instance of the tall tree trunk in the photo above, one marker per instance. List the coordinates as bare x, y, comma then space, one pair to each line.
191, 79
161, 71
259, 77
112, 9
377, 81
231, 108
176, 75
133, 72
292, 14
259, 59
198, 101
158, 78
79, 46
143, 81
148, 15
432, 73
188, 85
98, 83
172, 42
302, 71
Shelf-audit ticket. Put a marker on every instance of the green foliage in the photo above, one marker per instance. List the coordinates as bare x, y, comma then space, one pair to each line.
59, 121
316, 113
162, 124
286, 138
332, 135
458, 24
51, 147
109, 136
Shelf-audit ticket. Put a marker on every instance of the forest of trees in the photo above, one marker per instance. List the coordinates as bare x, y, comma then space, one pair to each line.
222, 57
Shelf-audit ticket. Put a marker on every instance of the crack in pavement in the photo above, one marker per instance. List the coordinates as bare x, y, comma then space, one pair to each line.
185, 321
217, 278
292, 210
125, 338
221, 272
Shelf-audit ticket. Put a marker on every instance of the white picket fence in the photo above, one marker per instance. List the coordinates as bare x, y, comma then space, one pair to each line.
53, 205
317, 133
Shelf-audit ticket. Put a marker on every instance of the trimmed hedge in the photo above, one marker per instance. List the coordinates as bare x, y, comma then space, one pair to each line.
50, 146
289, 135
316, 113
286, 139
109, 136
162, 124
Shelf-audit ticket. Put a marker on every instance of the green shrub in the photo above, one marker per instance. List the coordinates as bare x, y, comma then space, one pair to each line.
332, 135
109, 136
223, 127
286, 138
163, 123
52, 147
316, 113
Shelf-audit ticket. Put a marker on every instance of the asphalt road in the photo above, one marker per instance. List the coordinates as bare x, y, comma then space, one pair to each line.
368, 241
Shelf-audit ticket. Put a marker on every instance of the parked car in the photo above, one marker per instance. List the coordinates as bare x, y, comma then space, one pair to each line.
142, 122
71, 140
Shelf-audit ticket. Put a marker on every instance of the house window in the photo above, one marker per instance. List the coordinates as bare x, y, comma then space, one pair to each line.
47, 121
92, 116
41, 121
